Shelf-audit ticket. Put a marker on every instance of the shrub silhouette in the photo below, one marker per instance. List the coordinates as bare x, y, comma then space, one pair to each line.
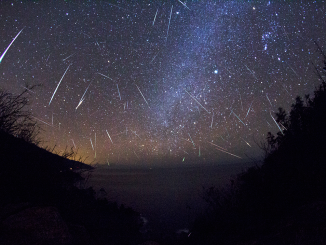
15, 119
292, 176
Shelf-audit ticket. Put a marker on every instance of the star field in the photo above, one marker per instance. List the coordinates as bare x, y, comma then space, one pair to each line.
160, 82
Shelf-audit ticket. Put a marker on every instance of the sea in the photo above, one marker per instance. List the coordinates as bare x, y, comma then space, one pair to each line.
168, 198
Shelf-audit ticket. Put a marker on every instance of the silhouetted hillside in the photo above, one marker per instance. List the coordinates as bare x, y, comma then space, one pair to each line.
26, 169
283, 201
31, 177
40, 202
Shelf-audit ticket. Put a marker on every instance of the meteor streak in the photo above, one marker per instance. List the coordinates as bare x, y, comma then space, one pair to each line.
136, 155
109, 136
155, 57
28, 89
81, 101
192, 140
286, 90
268, 99
216, 145
4, 53
67, 57
241, 101
58, 84
283, 126
119, 91
251, 72
73, 143
245, 141
142, 95
276, 123
105, 76
238, 118
196, 101
136, 134
249, 109
293, 70
184, 4
185, 152
212, 120
269, 124
83, 97
167, 33
155, 17
43, 122
229, 153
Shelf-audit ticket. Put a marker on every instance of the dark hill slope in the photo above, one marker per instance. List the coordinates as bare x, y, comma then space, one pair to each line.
37, 188
27, 170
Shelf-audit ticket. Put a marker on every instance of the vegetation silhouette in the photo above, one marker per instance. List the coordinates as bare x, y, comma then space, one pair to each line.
283, 201
14, 119
32, 178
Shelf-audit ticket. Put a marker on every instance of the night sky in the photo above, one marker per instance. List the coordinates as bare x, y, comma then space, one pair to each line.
132, 82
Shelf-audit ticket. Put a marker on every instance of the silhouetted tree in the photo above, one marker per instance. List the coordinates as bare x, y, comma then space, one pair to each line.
15, 119
293, 175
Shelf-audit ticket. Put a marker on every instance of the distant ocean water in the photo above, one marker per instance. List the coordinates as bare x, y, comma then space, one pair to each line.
169, 199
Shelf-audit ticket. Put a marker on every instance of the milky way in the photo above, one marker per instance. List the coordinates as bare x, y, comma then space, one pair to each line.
160, 82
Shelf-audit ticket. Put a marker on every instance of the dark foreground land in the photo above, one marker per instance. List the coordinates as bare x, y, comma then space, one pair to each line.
40, 202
